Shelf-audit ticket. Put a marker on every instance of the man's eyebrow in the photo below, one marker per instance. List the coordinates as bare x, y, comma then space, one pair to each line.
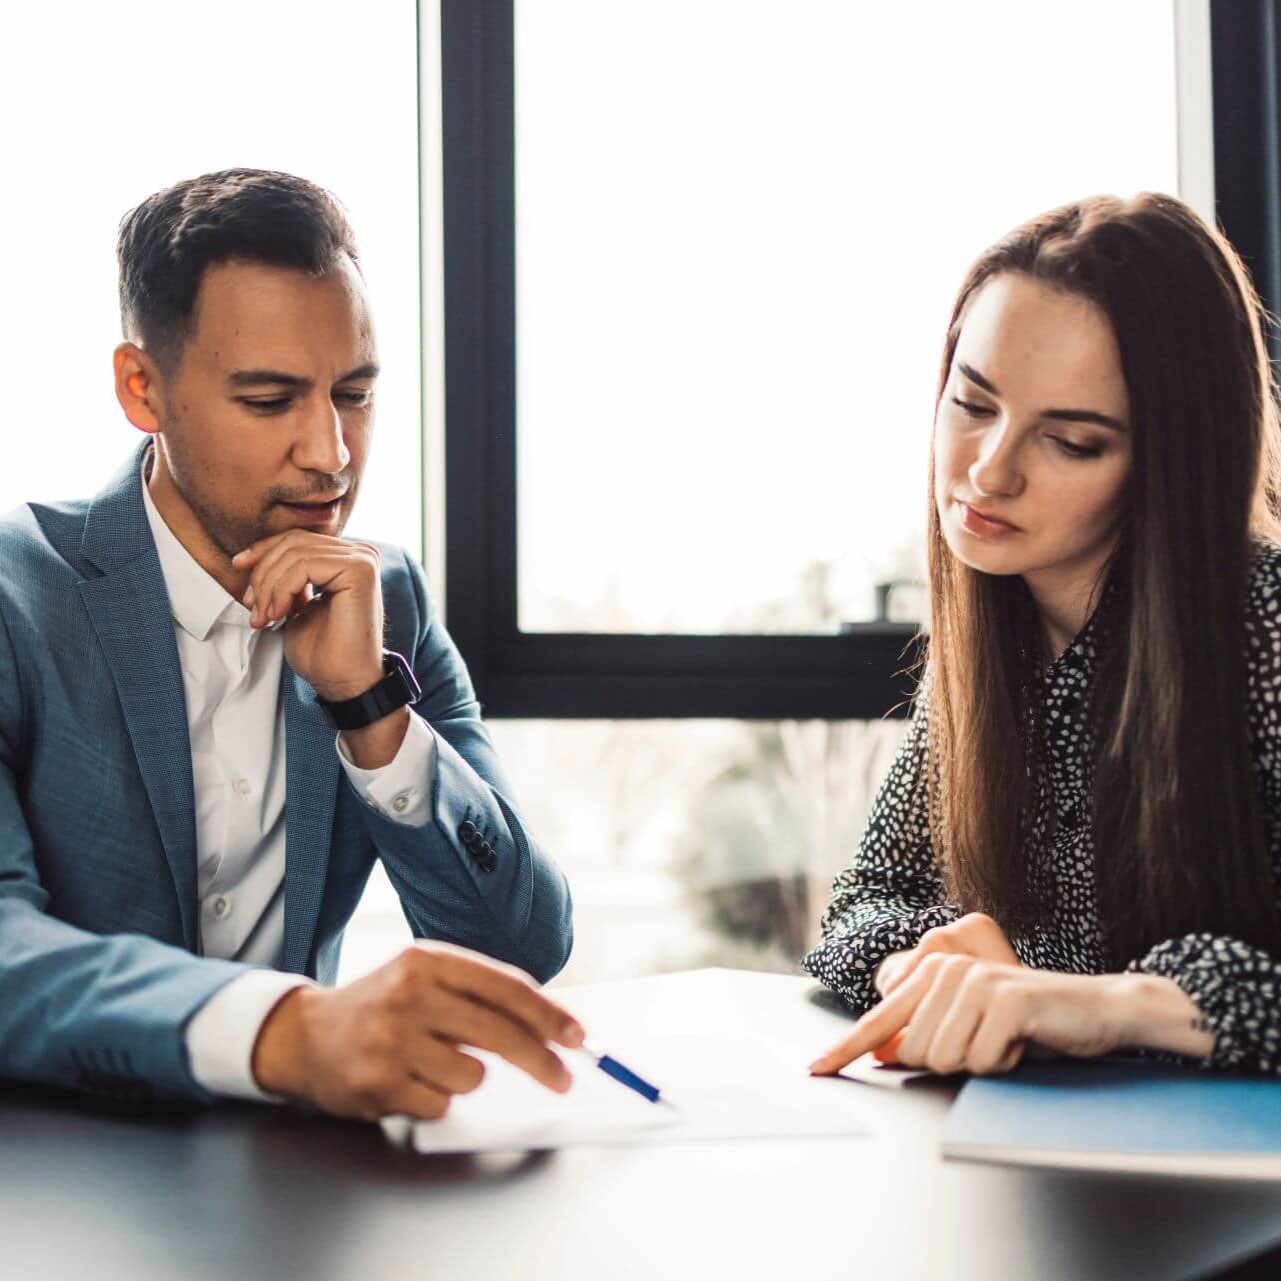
262, 377
277, 378
1059, 415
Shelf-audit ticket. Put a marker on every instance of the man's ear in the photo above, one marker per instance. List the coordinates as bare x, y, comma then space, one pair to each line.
139, 387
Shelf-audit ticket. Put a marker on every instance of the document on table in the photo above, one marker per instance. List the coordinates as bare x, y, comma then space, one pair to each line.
868, 1069
712, 1089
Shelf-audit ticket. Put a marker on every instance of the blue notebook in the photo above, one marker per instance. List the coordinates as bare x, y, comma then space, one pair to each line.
1121, 1114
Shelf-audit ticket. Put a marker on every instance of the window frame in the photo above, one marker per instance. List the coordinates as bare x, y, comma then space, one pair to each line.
1245, 60
864, 672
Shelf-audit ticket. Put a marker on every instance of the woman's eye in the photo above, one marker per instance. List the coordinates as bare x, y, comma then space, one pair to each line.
974, 411
1076, 451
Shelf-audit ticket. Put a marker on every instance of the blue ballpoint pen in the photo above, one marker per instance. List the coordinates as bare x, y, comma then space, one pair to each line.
625, 1076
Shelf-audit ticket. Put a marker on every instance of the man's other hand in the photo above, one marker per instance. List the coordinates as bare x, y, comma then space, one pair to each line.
389, 1043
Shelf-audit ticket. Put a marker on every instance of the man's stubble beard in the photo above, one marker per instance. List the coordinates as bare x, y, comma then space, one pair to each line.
229, 533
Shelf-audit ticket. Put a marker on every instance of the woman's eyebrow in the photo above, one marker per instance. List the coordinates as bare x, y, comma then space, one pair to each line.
1059, 415
975, 377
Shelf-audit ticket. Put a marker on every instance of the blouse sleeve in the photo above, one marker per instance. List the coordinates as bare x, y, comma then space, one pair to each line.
1236, 986
891, 892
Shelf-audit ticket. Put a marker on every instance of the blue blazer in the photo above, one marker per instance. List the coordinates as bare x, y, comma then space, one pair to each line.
98, 910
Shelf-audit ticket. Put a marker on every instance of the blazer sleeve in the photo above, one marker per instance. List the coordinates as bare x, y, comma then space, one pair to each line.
891, 892
101, 1014
474, 875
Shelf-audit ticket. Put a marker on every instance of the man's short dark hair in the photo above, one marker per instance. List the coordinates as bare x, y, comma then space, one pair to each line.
260, 215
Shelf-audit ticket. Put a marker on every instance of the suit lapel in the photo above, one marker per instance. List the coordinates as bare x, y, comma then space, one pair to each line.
311, 789
129, 609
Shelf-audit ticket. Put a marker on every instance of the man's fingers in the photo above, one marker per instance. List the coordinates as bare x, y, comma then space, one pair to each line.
322, 558
262, 559
510, 992
421, 1100
277, 582
467, 1021
443, 1066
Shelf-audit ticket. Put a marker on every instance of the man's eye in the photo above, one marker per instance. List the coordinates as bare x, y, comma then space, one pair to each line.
273, 405
974, 411
356, 397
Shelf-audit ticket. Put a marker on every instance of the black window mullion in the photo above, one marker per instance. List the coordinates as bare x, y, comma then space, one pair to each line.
857, 674
1245, 60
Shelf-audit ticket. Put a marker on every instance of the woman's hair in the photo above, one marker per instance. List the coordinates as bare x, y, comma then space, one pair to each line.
1179, 837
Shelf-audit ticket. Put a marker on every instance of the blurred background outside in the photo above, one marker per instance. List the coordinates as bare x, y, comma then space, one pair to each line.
740, 229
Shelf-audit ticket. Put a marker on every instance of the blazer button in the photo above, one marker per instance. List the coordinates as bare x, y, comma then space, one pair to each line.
467, 831
489, 863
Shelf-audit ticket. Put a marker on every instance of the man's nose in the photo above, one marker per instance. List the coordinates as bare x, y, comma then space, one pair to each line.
320, 446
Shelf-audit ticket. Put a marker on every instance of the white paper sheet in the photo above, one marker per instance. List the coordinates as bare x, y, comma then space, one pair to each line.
714, 1089
871, 1071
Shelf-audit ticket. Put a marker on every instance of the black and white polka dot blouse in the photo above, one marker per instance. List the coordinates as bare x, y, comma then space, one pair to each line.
892, 893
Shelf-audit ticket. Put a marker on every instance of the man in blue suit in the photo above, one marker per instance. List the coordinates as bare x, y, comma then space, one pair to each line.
216, 713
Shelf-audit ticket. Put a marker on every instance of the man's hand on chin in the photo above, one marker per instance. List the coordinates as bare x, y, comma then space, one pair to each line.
389, 1043
332, 640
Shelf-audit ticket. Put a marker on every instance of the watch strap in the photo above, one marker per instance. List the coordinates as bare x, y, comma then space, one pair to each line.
398, 688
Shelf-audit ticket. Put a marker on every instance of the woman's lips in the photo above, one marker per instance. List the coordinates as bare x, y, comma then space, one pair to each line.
985, 526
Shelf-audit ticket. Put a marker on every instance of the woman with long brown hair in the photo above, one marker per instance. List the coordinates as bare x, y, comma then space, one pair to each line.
1078, 846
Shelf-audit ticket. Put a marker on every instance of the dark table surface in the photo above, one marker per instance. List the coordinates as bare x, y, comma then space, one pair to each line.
241, 1191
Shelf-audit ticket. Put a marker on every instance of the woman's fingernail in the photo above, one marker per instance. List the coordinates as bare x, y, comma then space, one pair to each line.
249, 596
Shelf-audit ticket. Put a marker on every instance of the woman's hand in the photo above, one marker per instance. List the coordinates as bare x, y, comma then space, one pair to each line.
974, 935
963, 1013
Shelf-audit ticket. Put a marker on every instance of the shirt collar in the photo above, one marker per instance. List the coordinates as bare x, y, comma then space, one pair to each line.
1083, 653
196, 599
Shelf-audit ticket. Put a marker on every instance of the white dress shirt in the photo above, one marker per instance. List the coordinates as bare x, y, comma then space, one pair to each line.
236, 723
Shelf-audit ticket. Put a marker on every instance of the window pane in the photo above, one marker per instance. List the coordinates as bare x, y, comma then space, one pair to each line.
687, 843
739, 231
691, 843
108, 106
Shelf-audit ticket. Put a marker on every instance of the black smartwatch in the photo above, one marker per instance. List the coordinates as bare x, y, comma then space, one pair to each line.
396, 689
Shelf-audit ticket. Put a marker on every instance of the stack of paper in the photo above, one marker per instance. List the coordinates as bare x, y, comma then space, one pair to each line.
712, 1088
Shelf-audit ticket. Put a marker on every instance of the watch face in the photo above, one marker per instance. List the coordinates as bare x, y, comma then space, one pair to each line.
395, 663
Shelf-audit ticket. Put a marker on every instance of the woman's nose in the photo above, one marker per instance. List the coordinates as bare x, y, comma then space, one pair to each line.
996, 471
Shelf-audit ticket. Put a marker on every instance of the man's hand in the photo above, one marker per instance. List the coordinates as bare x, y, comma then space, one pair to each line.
974, 935
333, 642
389, 1042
